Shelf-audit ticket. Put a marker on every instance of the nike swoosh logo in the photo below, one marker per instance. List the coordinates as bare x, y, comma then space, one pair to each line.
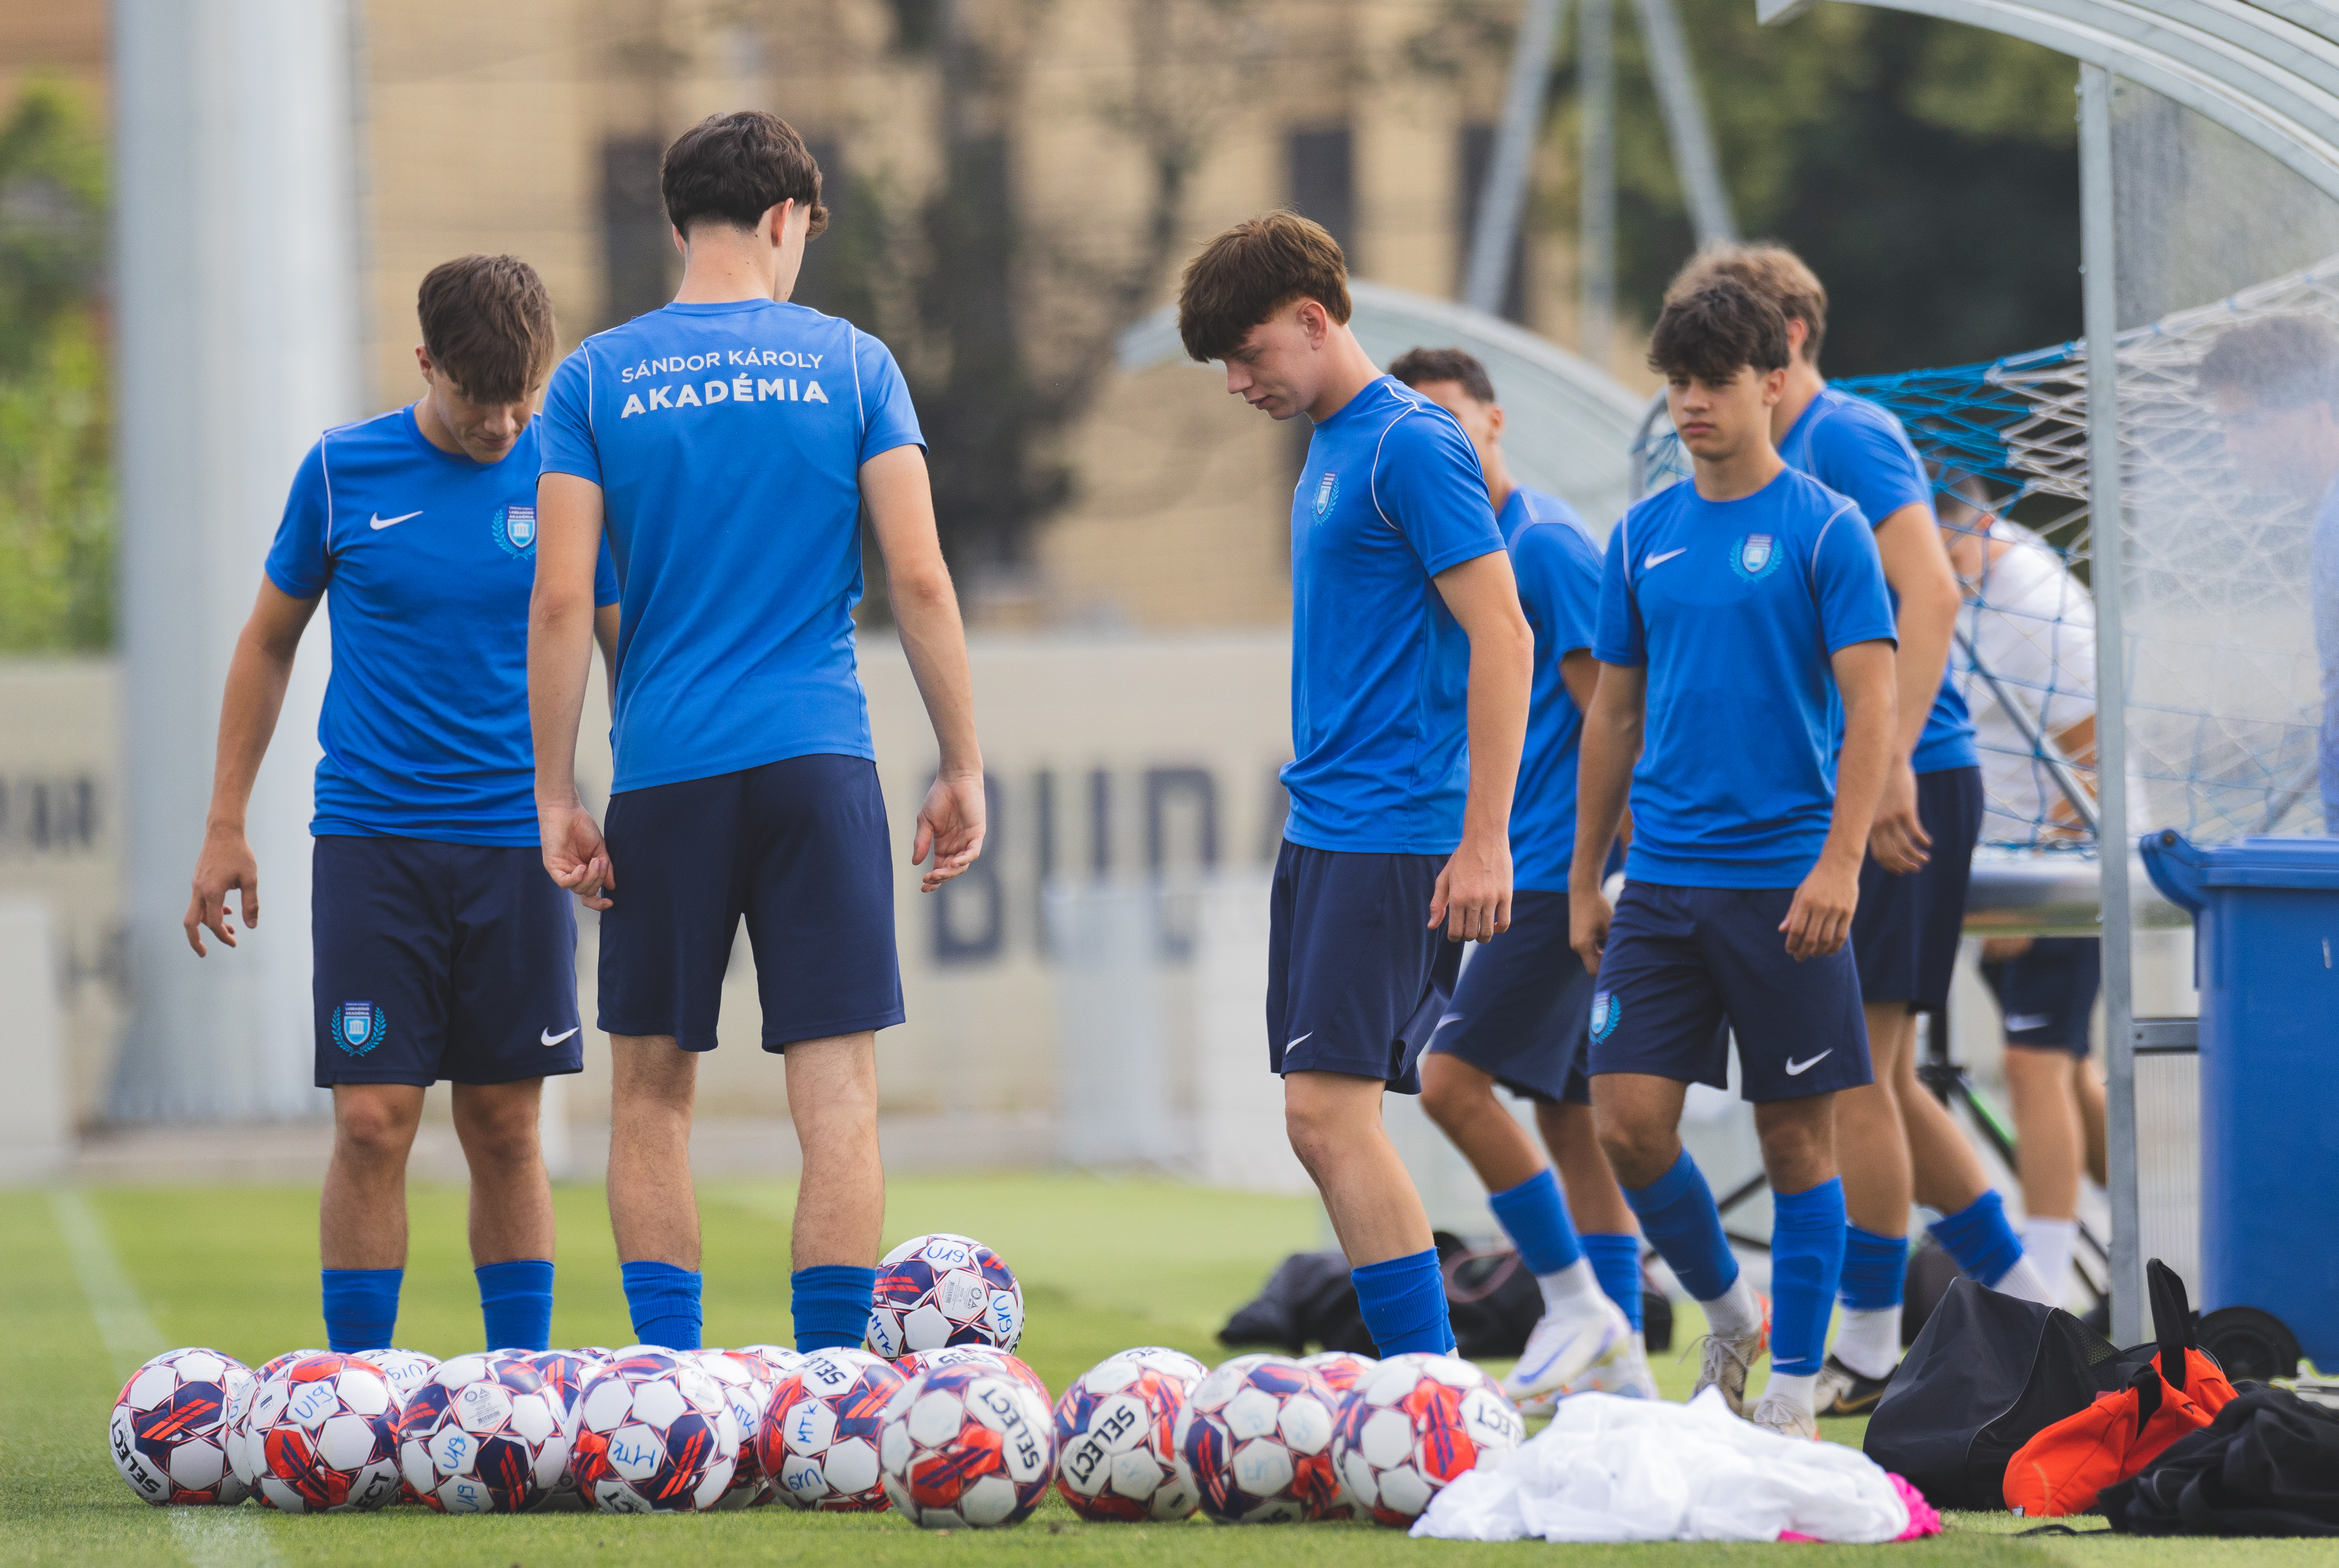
1290, 1043
1797, 1068
381, 522
549, 1037
1659, 560
2019, 1022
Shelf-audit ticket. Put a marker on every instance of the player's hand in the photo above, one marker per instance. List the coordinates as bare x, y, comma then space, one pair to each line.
1473, 897
1819, 922
1589, 913
951, 827
224, 864
574, 853
1897, 838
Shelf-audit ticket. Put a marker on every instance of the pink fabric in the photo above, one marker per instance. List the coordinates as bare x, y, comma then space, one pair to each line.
1923, 1520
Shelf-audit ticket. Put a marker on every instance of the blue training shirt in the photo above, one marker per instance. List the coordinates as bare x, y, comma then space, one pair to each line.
1558, 570
1857, 448
1736, 609
1391, 496
430, 559
727, 441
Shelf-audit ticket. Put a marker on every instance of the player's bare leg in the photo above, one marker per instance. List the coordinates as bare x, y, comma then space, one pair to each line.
1334, 1122
2058, 1104
1872, 1138
1949, 1176
1594, 1198
511, 1192
653, 1206
1460, 1099
841, 1201
362, 1217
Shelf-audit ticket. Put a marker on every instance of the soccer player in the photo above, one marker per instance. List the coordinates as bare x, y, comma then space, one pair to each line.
1517, 1016
1895, 1139
1735, 608
2032, 626
1407, 642
2275, 386
440, 950
728, 444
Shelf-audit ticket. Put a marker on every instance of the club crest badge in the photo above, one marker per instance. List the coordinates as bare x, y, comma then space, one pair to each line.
1605, 1011
359, 1026
1328, 495
1757, 556
515, 530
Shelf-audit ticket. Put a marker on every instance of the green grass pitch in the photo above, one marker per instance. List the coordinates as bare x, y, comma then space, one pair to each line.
1104, 1264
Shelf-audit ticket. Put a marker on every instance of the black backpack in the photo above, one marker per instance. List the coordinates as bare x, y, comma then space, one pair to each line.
2268, 1466
1987, 1373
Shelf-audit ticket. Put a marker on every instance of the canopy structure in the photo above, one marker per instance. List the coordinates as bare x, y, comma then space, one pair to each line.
1569, 425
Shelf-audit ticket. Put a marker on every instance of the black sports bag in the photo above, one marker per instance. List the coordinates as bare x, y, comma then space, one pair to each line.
2268, 1466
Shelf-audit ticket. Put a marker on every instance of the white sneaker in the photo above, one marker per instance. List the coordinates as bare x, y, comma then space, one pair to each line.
1561, 1349
1726, 1363
1625, 1373
1785, 1417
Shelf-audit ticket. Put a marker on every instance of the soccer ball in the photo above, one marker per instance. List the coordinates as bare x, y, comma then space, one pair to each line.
747, 1389
778, 1360
564, 1373
239, 1422
595, 1353
653, 1436
322, 1437
1340, 1368
1162, 1359
942, 1290
483, 1435
1255, 1442
819, 1441
967, 1445
1116, 1443
770, 1364
170, 1428
916, 1361
406, 1370
1414, 1423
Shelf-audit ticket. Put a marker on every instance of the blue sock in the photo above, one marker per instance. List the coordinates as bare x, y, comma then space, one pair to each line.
1875, 1269
1978, 1237
1678, 1216
361, 1307
515, 1301
1404, 1303
1616, 1259
831, 1304
1807, 1241
664, 1303
1536, 1219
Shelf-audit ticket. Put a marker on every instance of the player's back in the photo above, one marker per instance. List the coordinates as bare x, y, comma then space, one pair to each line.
727, 439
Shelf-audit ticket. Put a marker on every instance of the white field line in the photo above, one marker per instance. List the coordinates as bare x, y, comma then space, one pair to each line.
207, 1537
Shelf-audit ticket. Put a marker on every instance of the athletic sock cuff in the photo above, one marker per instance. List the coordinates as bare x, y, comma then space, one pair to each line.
1615, 1258
515, 1303
1978, 1237
1678, 1216
1403, 1300
1535, 1217
1807, 1245
360, 1307
831, 1304
1683, 1177
663, 1301
1875, 1269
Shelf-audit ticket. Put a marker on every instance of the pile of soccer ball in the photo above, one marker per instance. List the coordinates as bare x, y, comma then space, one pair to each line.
937, 1419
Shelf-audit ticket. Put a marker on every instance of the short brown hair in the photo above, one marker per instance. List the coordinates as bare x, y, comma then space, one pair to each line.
486, 322
1416, 367
1771, 269
734, 168
1716, 332
2280, 362
1252, 272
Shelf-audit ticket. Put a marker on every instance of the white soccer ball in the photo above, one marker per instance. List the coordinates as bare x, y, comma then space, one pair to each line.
654, 1435
406, 1370
1415, 1424
1255, 1442
322, 1437
565, 1374
942, 1290
819, 1441
483, 1435
967, 1446
747, 1389
1162, 1359
1117, 1443
170, 1426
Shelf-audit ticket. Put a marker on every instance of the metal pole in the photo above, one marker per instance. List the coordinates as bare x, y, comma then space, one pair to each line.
1503, 197
1596, 232
1675, 80
2098, 246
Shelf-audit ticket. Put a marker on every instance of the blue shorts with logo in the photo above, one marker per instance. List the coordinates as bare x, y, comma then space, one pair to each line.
1685, 968
1906, 928
797, 848
1355, 979
435, 960
2048, 993
1521, 1013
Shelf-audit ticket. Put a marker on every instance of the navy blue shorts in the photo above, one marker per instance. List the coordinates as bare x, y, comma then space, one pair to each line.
1687, 967
1355, 979
453, 961
1906, 927
1521, 1013
796, 847
2048, 993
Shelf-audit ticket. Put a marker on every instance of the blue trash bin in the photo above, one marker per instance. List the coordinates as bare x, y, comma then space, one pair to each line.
2266, 918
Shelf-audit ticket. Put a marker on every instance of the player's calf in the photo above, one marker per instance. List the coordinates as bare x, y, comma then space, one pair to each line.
1334, 1122
362, 1228
512, 1211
